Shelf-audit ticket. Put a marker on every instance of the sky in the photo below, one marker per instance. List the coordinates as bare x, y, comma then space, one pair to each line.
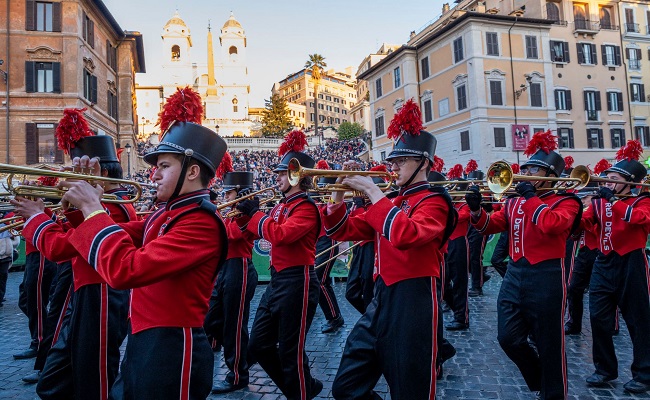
280, 33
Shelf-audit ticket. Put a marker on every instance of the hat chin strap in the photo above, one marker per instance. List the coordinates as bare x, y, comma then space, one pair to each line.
181, 178
417, 170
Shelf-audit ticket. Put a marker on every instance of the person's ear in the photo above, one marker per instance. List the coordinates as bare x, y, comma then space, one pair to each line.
193, 172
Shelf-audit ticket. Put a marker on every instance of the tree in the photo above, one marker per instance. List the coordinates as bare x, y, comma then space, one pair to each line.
275, 117
349, 130
315, 65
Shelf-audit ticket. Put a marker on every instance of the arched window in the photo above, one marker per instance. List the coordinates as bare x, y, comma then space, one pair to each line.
232, 50
234, 105
605, 18
552, 12
176, 52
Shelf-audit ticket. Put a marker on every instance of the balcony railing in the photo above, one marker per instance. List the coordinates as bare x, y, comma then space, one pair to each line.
582, 25
632, 28
608, 26
634, 64
592, 115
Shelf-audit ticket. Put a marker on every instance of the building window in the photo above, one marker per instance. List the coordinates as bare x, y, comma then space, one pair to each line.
611, 55
378, 87
536, 95
235, 106
379, 126
531, 47
553, 12
630, 26
565, 138
321, 106
337, 109
499, 137
424, 68
592, 104
328, 98
580, 13
458, 50
329, 108
618, 137
587, 54
90, 87
559, 51
492, 43
606, 18
595, 138
42, 77
428, 110
496, 93
634, 58
397, 77
111, 55
311, 117
461, 97
232, 50
41, 145
443, 107
464, 141
563, 99
615, 101
382, 155
43, 16
111, 104
176, 55
642, 134
88, 31
637, 92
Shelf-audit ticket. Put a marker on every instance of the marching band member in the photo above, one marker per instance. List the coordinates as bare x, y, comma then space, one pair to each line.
531, 299
620, 276
94, 330
396, 336
476, 241
288, 305
227, 318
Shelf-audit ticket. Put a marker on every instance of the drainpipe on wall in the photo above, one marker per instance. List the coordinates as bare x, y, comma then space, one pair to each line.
512, 76
7, 87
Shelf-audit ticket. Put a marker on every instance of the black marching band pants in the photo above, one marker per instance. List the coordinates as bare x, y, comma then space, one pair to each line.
283, 318
457, 278
582, 267
623, 282
83, 362
476, 246
327, 299
227, 318
531, 301
37, 281
360, 285
395, 337
500, 254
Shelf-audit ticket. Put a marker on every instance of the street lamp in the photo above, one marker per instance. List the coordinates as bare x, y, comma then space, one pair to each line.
128, 154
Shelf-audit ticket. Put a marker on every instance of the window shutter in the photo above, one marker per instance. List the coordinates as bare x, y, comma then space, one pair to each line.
612, 135
600, 139
642, 91
30, 15
56, 17
585, 95
638, 54
597, 96
29, 76
627, 54
93, 89
557, 99
603, 50
594, 54
84, 25
58, 153
56, 77
571, 145
581, 56
646, 135
108, 53
91, 33
567, 95
617, 55
31, 143
565, 47
116, 113
609, 101
619, 100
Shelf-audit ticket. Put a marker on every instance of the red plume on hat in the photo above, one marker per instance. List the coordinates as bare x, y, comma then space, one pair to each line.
379, 168
601, 166
185, 105
48, 180
152, 171
471, 166
541, 141
631, 151
568, 162
455, 172
438, 163
72, 127
225, 166
515, 168
322, 164
407, 120
119, 152
294, 141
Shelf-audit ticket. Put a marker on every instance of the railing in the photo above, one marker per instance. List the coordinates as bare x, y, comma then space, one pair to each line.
583, 25
592, 115
632, 28
634, 64
608, 26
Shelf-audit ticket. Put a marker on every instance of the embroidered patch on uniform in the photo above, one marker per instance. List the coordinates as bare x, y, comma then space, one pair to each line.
405, 206
276, 214
162, 229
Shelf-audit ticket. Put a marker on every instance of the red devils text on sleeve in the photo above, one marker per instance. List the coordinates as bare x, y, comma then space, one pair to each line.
408, 232
538, 228
171, 274
621, 227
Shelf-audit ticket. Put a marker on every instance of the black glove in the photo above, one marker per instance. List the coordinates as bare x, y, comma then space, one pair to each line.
607, 194
249, 207
525, 189
473, 198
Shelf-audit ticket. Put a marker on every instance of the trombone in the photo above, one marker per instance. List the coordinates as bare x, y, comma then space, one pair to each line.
52, 192
321, 265
235, 213
297, 172
500, 179
582, 172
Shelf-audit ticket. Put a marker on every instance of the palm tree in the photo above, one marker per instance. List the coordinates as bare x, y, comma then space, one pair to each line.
316, 64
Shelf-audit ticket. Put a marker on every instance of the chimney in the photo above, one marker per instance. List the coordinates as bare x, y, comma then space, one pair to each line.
445, 8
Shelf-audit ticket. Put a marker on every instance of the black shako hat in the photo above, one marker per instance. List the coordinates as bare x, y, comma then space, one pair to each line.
435, 176
477, 175
627, 162
192, 140
237, 180
410, 139
102, 147
303, 158
540, 150
292, 147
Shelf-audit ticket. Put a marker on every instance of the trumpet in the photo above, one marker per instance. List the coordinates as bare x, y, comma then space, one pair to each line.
297, 172
582, 172
500, 179
234, 213
51, 192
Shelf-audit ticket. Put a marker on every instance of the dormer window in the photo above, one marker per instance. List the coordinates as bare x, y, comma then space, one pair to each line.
176, 52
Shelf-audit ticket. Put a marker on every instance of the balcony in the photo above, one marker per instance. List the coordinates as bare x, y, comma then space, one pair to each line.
632, 28
584, 26
592, 115
608, 26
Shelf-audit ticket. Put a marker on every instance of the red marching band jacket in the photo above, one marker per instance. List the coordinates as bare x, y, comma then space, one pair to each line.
463, 221
621, 227
408, 230
538, 228
170, 260
52, 239
240, 243
292, 228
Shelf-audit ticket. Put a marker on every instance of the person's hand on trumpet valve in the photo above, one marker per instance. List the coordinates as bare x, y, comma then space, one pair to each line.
27, 208
82, 195
364, 184
249, 207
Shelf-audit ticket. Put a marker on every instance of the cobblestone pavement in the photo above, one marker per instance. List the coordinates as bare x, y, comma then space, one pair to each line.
480, 369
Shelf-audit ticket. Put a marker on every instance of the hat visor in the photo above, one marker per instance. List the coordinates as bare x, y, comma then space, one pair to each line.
151, 158
281, 167
538, 163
